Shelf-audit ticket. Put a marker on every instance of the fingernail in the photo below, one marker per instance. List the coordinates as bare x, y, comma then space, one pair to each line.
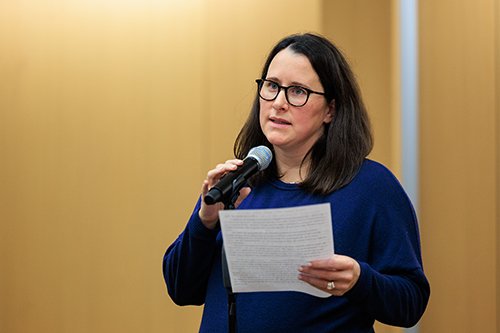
300, 269
309, 264
299, 277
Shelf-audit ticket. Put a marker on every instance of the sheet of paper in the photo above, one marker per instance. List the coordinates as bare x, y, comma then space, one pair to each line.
264, 247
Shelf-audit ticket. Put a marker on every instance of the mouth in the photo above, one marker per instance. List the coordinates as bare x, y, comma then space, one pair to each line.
279, 121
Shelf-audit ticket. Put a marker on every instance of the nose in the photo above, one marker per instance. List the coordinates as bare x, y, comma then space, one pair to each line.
281, 103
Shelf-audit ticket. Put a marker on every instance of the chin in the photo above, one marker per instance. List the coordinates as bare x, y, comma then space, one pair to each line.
276, 142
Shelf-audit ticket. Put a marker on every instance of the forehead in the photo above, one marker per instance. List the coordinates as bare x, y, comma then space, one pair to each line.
289, 67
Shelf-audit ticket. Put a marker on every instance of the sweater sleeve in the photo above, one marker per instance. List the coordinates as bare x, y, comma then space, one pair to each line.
398, 300
187, 262
392, 287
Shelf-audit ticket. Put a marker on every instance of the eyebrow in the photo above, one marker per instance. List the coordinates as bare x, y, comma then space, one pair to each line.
294, 83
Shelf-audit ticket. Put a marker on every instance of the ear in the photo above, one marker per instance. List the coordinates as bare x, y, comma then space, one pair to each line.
330, 113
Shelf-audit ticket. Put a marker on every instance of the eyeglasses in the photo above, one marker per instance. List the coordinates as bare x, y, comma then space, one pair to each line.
295, 95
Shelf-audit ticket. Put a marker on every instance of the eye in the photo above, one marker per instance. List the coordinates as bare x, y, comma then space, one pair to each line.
270, 85
298, 91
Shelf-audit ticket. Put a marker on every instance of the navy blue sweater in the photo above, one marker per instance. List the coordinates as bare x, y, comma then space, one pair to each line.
373, 222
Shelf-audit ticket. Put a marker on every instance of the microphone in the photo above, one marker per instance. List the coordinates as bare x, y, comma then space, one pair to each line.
258, 159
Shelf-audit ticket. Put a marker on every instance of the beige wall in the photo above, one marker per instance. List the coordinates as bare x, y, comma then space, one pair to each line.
111, 113
460, 153
367, 32
95, 137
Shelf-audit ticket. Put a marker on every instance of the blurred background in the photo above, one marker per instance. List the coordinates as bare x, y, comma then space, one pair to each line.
112, 112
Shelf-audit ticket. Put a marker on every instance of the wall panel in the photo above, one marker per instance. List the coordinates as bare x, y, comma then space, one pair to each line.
88, 126
459, 164
367, 33
111, 113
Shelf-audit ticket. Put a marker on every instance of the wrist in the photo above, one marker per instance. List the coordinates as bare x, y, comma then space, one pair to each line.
209, 223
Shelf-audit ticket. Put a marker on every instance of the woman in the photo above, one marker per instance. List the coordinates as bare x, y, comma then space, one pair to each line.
309, 112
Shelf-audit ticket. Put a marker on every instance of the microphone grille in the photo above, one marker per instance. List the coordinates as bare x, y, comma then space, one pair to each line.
262, 155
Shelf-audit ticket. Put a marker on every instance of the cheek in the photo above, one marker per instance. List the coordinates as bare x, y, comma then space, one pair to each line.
321, 114
312, 122
263, 113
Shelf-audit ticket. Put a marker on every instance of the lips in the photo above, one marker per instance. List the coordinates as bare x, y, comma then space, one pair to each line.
279, 121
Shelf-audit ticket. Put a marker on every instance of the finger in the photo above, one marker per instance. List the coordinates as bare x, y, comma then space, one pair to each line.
234, 161
338, 262
325, 274
322, 284
349, 274
341, 278
339, 268
214, 175
204, 188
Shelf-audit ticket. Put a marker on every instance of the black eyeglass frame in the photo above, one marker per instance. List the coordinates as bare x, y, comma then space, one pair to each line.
309, 91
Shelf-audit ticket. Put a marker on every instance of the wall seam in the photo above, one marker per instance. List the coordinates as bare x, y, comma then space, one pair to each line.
409, 94
496, 59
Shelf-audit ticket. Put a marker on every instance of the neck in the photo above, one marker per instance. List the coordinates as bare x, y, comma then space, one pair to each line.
290, 166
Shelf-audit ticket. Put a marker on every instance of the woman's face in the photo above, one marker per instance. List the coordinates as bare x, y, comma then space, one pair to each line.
289, 128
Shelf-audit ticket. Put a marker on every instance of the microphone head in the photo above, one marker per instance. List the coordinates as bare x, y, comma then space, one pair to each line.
262, 155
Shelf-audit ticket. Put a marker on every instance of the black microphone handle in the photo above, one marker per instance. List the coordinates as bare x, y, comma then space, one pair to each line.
232, 182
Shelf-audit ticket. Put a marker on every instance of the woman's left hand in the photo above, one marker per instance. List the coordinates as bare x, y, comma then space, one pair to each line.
335, 276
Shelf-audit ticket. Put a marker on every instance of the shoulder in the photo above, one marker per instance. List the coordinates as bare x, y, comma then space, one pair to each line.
376, 183
375, 170
376, 177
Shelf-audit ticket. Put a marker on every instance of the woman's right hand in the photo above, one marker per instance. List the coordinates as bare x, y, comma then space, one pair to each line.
209, 214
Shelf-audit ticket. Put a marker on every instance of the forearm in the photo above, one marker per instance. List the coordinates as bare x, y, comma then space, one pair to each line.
187, 263
398, 300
